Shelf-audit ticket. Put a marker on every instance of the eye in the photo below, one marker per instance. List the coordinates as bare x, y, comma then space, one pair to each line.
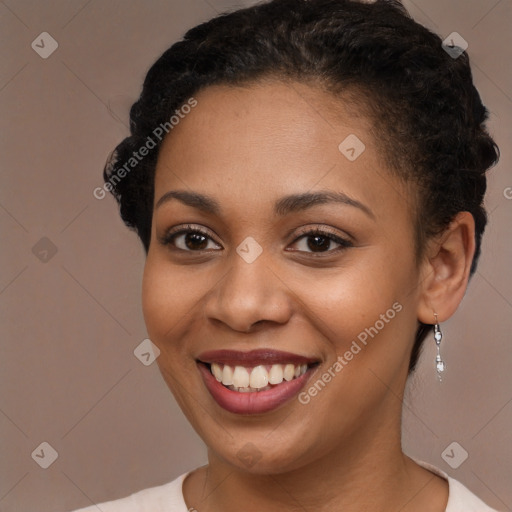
194, 239
319, 240
188, 239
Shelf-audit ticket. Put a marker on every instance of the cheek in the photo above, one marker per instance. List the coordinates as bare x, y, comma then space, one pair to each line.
367, 312
168, 296
168, 299
172, 299
368, 325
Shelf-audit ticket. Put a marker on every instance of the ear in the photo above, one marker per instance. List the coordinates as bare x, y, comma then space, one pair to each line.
445, 270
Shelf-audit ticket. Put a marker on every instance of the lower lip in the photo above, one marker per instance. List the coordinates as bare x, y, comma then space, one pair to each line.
255, 402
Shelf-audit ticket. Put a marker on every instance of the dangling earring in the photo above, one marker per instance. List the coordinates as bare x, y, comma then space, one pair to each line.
438, 336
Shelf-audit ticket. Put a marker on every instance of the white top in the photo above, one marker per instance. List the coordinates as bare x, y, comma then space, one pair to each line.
169, 498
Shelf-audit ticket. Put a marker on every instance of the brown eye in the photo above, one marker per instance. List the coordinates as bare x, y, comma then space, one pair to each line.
189, 239
194, 241
320, 241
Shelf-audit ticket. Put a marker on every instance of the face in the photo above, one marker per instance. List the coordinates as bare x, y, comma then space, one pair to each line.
280, 284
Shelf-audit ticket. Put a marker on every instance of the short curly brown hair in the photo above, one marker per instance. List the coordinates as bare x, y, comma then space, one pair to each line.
428, 116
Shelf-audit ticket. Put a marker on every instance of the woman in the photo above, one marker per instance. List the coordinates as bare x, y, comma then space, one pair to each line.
307, 179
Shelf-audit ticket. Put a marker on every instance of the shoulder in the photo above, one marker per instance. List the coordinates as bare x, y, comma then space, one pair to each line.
169, 498
163, 498
460, 498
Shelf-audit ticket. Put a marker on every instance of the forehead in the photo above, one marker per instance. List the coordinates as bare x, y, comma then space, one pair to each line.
268, 139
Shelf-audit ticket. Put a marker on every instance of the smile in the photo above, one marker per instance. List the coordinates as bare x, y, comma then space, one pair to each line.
254, 382
259, 378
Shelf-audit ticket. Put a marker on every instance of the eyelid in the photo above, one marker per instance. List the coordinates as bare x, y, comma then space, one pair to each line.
322, 229
165, 239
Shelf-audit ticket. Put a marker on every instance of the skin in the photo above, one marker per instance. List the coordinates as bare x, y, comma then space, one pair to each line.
246, 148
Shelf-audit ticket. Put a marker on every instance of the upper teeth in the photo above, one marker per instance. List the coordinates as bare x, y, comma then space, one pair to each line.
257, 377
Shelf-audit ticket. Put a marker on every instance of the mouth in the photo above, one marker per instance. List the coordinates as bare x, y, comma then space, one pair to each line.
254, 382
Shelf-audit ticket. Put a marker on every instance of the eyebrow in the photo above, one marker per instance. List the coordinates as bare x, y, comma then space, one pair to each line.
284, 206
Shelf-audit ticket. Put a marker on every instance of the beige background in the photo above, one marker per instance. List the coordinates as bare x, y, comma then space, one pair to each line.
70, 324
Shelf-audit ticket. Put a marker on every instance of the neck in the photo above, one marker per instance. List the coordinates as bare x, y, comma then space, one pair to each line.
366, 472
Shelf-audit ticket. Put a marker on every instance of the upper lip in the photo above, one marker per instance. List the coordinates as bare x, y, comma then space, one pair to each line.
253, 357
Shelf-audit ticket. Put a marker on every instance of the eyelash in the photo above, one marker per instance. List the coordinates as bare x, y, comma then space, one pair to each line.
169, 237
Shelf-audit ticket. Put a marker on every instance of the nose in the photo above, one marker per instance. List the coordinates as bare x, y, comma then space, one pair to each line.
249, 296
